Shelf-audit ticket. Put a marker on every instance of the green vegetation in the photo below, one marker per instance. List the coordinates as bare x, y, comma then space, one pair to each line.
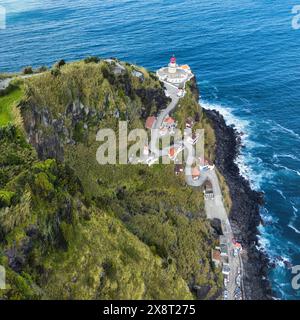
55, 246
98, 87
8, 75
74, 229
189, 107
91, 59
28, 70
7, 106
225, 192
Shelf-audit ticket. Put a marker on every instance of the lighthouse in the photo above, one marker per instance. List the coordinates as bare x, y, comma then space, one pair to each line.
172, 67
175, 74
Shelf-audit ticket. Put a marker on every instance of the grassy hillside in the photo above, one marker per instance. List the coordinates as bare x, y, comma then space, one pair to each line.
73, 229
8, 103
54, 245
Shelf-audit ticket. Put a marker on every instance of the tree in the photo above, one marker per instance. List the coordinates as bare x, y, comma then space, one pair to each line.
91, 59
6, 198
55, 72
42, 69
28, 70
60, 63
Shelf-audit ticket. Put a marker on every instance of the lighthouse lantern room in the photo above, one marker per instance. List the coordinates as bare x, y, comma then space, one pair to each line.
172, 67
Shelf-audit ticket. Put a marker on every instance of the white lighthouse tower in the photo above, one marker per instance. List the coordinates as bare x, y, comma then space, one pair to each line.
172, 66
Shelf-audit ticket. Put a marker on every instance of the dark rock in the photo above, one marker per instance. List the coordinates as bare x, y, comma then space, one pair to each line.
201, 291
216, 225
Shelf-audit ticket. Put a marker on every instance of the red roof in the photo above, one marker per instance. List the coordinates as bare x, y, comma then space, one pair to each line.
169, 120
238, 245
173, 60
195, 172
172, 152
149, 122
217, 255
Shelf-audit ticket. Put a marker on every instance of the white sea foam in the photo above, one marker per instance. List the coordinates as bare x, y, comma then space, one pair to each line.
294, 228
280, 166
281, 193
254, 170
278, 127
263, 242
291, 156
245, 160
16, 6
290, 131
295, 209
266, 217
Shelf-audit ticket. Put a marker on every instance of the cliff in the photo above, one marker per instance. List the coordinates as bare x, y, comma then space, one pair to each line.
73, 229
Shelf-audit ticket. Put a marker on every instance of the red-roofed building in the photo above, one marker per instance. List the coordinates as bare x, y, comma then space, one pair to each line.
172, 152
195, 173
169, 123
238, 246
149, 122
216, 257
169, 120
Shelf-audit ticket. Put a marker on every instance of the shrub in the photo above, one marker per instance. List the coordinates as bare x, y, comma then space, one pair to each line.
9, 132
78, 135
46, 166
6, 198
13, 159
92, 59
60, 63
43, 185
55, 72
42, 69
28, 70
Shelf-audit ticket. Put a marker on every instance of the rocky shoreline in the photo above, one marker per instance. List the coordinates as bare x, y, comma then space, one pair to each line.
244, 215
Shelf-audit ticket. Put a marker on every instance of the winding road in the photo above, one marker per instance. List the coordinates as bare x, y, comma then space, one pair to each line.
4, 83
214, 207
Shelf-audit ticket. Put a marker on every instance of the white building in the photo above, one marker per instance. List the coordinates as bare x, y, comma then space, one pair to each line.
175, 74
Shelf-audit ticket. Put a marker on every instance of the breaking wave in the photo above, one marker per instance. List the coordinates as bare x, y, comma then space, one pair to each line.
250, 166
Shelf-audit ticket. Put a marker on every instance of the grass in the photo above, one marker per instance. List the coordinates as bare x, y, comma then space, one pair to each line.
8, 75
225, 192
105, 232
7, 104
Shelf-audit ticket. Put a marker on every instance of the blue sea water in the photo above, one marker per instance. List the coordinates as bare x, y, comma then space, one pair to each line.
246, 56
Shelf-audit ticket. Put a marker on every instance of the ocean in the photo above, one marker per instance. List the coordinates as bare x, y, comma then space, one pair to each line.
245, 55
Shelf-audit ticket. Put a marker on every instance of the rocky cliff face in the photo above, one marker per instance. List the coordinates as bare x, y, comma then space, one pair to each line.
47, 134
244, 216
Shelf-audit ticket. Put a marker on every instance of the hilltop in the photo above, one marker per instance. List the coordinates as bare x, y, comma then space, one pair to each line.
72, 229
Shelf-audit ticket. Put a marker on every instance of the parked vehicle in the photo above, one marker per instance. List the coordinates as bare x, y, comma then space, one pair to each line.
235, 252
225, 295
238, 280
237, 291
226, 280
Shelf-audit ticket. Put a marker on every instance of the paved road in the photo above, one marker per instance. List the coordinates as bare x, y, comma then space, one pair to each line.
154, 146
214, 208
5, 82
